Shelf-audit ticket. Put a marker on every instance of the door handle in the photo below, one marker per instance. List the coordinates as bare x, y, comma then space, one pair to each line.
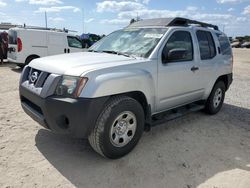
68, 50
65, 51
193, 69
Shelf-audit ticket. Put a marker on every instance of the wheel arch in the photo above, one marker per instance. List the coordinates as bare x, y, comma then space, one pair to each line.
31, 56
227, 79
142, 99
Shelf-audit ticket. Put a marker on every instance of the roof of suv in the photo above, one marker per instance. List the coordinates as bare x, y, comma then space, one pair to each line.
170, 22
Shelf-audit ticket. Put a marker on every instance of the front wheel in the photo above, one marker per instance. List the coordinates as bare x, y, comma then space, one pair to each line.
118, 128
216, 98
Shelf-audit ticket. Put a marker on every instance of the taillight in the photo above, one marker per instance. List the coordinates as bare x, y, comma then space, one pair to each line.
19, 45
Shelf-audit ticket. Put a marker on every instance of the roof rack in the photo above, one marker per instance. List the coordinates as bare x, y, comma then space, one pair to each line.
168, 22
45, 28
7, 26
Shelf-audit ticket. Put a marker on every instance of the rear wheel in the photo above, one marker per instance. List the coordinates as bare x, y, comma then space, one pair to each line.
118, 128
216, 98
29, 59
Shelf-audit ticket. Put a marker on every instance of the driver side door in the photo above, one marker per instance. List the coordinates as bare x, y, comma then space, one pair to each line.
177, 71
74, 44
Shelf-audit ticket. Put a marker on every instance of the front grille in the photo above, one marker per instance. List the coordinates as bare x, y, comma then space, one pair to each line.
39, 82
37, 77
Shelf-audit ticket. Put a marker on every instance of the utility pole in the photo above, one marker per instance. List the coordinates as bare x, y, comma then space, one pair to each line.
46, 20
83, 23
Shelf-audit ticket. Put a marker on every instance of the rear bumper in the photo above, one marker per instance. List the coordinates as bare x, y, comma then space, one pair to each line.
14, 61
75, 117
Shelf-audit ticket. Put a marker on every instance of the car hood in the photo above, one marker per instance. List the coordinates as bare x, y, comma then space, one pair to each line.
77, 64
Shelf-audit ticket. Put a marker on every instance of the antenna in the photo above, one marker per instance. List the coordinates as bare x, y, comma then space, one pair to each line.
46, 20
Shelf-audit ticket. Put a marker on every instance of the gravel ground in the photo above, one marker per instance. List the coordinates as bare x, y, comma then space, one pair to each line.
194, 151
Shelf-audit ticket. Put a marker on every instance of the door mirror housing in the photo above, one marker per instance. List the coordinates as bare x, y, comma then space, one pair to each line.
177, 54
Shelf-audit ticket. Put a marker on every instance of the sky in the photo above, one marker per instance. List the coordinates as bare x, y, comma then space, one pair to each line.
103, 17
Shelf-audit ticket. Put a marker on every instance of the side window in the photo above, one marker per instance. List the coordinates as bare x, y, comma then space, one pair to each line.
224, 45
206, 44
74, 42
178, 48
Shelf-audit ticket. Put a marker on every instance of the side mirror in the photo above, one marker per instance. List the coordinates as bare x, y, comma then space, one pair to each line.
175, 55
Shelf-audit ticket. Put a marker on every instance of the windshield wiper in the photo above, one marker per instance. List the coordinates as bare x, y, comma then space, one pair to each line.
117, 53
93, 51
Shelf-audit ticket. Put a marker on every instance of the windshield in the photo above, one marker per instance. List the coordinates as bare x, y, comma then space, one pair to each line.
133, 41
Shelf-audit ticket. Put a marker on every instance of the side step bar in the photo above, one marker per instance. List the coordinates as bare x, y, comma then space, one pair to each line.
175, 113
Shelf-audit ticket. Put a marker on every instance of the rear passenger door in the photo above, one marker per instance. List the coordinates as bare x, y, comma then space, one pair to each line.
208, 59
177, 71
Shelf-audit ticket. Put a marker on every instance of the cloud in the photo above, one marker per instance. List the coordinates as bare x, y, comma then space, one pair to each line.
153, 13
191, 8
118, 6
2, 4
247, 10
230, 22
231, 1
89, 20
231, 9
41, 2
137, 1
57, 19
115, 21
57, 9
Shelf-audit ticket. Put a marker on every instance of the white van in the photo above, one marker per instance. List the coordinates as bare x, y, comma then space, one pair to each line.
26, 44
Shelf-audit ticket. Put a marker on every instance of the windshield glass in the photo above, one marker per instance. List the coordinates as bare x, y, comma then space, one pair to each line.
133, 41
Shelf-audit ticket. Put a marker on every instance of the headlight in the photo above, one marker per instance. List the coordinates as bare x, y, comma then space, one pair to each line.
70, 86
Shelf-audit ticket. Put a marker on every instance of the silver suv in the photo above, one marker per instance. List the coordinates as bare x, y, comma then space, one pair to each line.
152, 71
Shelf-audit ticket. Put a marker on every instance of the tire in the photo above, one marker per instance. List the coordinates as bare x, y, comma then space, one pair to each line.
104, 137
216, 98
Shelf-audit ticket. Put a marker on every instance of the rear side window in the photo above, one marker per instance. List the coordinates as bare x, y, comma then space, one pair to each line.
206, 44
224, 45
180, 40
74, 42
12, 37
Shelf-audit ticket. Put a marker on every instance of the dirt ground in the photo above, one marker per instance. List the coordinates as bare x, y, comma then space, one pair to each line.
194, 151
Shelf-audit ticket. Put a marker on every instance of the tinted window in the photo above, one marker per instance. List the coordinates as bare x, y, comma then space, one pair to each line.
206, 44
180, 40
74, 42
12, 37
224, 45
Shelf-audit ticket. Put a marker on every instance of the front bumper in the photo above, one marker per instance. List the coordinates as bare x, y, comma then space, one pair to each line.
76, 117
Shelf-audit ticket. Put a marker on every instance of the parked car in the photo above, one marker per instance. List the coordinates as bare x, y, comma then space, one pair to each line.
236, 45
26, 44
135, 78
89, 39
246, 45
